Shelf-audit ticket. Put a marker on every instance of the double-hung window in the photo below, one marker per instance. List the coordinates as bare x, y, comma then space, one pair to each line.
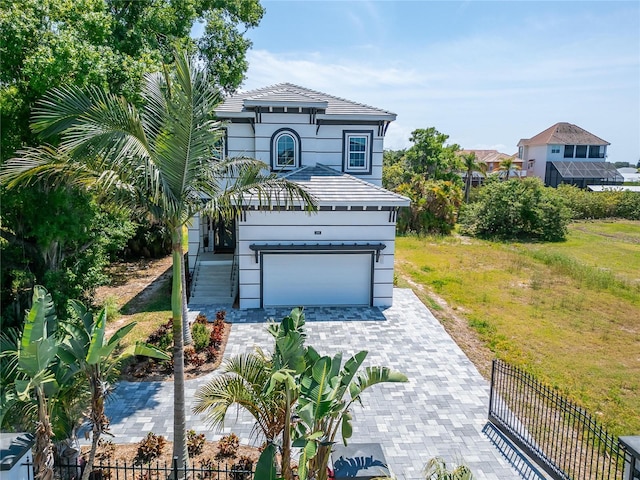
357, 151
285, 150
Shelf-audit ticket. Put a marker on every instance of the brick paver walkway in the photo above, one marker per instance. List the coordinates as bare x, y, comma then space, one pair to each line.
441, 411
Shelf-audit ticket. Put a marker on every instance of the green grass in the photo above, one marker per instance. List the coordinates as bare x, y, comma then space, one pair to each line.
569, 312
155, 311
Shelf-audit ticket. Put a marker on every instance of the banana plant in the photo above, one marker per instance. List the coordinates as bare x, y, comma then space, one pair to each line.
288, 362
32, 363
86, 351
323, 408
316, 390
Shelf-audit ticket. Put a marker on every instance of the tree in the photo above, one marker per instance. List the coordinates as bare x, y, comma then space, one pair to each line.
299, 383
111, 45
506, 167
33, 362
517, 209
434, 206
428, 156
156, 159
66, 252
471, 165
242, 382
86, 352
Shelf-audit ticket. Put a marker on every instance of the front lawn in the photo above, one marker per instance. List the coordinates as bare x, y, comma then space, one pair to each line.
569, 312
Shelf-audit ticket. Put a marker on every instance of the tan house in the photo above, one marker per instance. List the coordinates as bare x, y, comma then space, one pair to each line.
493, 158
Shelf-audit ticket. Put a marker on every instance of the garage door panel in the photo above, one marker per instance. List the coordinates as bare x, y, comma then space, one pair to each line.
316, 279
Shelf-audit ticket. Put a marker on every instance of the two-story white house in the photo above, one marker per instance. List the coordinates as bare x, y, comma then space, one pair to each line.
341, 255
566, 153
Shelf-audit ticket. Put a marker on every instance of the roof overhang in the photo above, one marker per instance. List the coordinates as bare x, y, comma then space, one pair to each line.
345, 117
248, 103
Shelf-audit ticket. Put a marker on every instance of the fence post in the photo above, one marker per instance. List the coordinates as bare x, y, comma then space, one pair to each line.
493, 374
631, 447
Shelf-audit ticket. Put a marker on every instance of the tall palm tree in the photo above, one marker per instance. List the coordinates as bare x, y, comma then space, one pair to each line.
471, 164
156, 159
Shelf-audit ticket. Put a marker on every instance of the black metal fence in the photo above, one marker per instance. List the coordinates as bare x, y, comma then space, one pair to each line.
206, 470
557, 434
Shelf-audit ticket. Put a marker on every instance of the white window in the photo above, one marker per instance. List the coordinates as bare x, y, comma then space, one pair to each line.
555, 149
285, 150
357, 151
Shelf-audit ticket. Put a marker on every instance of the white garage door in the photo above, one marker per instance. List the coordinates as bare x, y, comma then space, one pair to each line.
316, 279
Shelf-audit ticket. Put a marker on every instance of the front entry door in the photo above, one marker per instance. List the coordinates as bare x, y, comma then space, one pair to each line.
224, 236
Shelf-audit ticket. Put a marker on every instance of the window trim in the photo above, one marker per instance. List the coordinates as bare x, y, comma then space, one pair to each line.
368, 156
297, 145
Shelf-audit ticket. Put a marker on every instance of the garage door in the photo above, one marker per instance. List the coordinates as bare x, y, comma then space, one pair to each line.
316, 279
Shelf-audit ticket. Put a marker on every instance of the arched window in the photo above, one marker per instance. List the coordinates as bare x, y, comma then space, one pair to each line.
285, 150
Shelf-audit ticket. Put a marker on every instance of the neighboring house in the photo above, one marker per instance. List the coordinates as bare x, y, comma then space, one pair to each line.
566, 153
341, 255
493, 158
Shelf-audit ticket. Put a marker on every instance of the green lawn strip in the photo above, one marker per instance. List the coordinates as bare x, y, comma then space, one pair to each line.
155, 311
578, 339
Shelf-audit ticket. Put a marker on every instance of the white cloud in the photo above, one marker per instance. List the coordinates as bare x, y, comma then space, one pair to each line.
483, 89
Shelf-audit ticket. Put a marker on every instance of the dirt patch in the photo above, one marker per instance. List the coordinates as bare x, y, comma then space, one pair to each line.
132, 283
458, 328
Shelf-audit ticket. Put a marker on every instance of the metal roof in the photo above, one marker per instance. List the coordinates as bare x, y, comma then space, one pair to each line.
585, 169
331, 187
335, 190
283, 94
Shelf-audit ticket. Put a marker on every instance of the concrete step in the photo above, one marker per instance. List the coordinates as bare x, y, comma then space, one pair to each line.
209, 300
210, 263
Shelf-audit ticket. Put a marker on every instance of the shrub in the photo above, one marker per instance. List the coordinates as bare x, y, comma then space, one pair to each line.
585, 204
191, 357
106, 450
162, 337
242, 469
434, 206
150, 448
202, 318
217, 333
523, 209
228, 446
200, 334
211, 353
195, 443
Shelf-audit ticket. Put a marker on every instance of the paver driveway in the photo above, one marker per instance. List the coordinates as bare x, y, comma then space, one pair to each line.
441, 411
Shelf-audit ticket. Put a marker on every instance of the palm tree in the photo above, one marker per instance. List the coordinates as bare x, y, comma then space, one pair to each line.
157, 160
471, 164
242, 383
506, 166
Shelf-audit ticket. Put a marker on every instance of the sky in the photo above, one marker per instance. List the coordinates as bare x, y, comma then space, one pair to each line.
486, 73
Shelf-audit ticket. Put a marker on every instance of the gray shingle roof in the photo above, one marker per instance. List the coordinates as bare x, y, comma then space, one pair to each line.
283, 93
330, 187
